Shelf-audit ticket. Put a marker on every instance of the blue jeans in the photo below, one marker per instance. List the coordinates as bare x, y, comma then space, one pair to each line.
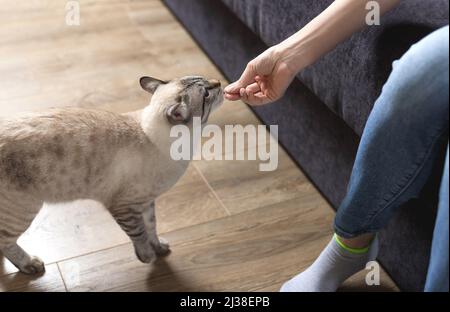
437, 278
401, 139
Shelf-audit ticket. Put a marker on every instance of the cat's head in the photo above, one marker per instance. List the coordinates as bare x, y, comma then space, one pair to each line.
182, 99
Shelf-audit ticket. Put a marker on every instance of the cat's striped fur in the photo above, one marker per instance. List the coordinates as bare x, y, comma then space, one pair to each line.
121, 161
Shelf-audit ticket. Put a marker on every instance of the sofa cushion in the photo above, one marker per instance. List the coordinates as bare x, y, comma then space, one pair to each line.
349, 79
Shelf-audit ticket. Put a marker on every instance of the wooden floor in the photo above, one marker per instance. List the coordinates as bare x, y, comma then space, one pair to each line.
231, 227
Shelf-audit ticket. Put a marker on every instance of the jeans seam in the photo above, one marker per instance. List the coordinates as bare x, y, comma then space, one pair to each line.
411, 179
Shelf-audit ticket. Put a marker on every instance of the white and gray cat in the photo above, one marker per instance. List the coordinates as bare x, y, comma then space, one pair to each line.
122, 161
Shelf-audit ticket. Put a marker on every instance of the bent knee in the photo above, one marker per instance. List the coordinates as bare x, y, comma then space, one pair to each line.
426, 59
418, 85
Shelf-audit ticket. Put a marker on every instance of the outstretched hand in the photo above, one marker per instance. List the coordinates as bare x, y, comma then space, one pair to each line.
264, 80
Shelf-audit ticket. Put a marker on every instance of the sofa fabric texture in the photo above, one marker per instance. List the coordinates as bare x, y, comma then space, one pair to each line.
349, 79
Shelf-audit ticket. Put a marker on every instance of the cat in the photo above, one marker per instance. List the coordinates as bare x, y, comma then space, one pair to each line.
121, 161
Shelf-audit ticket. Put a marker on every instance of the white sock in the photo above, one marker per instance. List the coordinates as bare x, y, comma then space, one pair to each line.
335, 264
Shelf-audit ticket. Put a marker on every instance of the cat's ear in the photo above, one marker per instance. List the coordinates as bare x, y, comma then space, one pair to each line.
179, 112
150, 84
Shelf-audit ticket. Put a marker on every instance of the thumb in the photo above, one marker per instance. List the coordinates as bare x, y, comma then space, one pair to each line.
247, 78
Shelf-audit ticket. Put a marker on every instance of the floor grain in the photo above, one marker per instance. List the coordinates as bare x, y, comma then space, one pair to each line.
242, 186
230, 254
50, 281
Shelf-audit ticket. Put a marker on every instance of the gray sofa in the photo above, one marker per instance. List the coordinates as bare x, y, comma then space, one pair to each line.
323, 114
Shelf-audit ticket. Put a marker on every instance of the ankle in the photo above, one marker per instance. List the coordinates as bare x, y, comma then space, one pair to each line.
358, 244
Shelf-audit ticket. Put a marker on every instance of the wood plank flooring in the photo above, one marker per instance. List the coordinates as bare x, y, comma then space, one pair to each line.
231, 227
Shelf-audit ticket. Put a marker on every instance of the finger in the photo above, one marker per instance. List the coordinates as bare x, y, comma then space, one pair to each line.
247, 77
243, 94
263, 84
232, 88
253, 88
257, 99
232, 96
251, 99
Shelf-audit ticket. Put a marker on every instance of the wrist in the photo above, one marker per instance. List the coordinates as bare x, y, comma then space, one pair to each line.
293, 54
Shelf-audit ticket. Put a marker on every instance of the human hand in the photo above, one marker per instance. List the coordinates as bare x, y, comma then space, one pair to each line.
264, 80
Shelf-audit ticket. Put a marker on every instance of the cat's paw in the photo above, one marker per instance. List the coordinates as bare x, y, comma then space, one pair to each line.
35, 266
145, 254
163, 248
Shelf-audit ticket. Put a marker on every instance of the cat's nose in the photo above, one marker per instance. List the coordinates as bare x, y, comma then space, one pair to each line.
214, 83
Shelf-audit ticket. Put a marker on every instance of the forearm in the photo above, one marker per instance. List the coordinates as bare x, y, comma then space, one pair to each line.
334, 25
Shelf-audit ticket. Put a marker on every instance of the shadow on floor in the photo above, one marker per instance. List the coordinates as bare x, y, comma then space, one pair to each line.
163, 278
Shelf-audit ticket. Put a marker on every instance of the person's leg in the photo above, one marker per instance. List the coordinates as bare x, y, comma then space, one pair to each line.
393, 162
360, 241
437, 278
401, 138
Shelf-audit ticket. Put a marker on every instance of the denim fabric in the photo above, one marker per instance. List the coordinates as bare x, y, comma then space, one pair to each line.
437, 278
399, 144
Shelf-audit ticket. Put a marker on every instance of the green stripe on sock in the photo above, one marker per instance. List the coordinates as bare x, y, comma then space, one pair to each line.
358, 251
